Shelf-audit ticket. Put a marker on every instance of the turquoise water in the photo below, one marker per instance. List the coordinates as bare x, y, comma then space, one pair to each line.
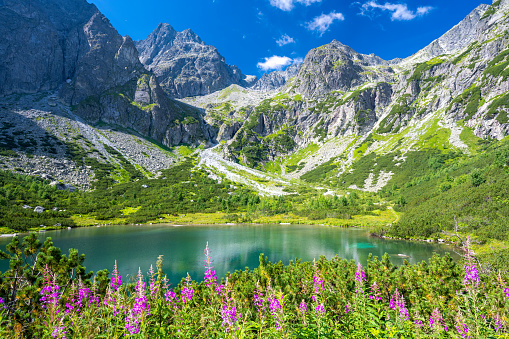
233, 246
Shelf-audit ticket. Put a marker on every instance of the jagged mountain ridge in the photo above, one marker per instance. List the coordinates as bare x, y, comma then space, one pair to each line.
342, 98
71, 47
185, 66
276, 79
339, 101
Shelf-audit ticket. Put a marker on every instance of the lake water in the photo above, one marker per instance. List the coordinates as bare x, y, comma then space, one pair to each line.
232, 246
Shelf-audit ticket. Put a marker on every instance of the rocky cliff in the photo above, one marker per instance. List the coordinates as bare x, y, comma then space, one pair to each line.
185, 66
277, 79
341, 100
72, 47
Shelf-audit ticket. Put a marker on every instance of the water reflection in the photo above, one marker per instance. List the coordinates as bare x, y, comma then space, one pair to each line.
232, 247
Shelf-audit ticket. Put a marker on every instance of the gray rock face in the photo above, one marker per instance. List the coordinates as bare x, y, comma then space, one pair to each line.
457, 38
70, 45
185, 66
39, 43
276, 79
337, 67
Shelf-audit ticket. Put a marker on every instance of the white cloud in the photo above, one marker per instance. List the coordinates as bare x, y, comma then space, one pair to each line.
285, 40
424, 10
274, 62
322, 23
288, 5
298, 60
400, 12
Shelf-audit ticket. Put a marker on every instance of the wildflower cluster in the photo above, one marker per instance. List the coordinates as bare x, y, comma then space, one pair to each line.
328, 298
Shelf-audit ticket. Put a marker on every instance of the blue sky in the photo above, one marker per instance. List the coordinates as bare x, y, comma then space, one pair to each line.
261, 35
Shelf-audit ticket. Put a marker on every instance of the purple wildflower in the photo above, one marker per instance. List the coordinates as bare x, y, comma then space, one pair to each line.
116, 279
375, 290
348, 309
318, 285
303, 307
418, 323
229, 315
498, 323
360, 278
187, 294
49, 292
436, 321
140, 307
59, 332
320, 309
276, 309
397, 303
506, 291
210, 274
471, 275
220, 289
258, 299
463, 330
274, 305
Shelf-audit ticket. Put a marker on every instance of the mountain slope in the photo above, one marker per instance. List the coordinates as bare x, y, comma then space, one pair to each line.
74, 49
373, 106
185, 65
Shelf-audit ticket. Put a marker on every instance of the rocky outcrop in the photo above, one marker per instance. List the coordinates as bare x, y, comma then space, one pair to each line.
457, 38
39, 43
337, 67
277, 79
185, 66
71, 46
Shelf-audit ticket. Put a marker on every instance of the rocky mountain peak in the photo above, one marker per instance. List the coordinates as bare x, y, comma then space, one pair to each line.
187, 36
276, 79
185, 66
457, 38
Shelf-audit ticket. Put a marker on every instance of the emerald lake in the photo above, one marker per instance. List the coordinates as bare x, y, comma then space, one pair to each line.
233, 247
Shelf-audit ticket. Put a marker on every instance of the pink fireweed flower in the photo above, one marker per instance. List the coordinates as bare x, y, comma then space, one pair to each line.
2, 303
187, 294
258, 300
274, 305
348, 309
140, 307
318, 285
506, 291
116, 279
375, 290
50, 290
436, 321
471, 278
303, 307
210, 275
397, 303
320, 309
276, 309
59, 332
360, 278
471, 275
418, 323
463, 330
229, 315
220, 289
498, 323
